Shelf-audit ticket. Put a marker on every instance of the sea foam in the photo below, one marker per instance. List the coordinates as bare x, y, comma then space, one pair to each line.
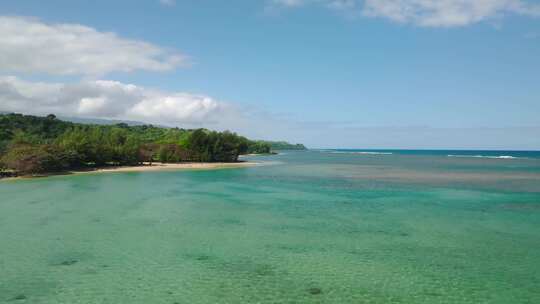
362, 152
486, 156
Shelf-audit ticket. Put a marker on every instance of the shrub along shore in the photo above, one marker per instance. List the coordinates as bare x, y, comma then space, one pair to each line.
31, 145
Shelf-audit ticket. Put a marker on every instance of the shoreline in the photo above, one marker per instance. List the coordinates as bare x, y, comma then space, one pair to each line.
260, 154
146, 167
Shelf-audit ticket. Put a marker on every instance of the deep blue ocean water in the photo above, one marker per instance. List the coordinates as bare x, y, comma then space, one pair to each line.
448, 153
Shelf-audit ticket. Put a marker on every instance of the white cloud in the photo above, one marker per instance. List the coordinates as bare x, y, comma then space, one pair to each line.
429, 13
30, 46
446, 13
114, 100
334, 4
108, 99
177, 107
290, 3
342, 4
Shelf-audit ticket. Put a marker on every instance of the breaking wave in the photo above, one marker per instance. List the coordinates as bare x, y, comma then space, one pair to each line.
361, 152
486, 156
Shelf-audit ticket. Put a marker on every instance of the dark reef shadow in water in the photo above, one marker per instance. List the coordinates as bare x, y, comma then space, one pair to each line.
241, 266
65, 259
521, 206
25, 290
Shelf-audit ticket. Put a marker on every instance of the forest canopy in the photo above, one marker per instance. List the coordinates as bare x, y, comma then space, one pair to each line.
32, 145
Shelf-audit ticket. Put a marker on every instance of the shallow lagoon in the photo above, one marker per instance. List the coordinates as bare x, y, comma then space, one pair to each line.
308, 227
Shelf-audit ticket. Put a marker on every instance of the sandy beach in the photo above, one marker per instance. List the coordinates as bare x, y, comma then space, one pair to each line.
177, 166
145, 168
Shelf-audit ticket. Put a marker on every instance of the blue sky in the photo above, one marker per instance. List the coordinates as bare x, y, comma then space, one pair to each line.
329, 73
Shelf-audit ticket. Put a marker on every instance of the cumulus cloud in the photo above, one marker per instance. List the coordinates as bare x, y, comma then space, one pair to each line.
429, 13
116, 100
31, 46
112, 99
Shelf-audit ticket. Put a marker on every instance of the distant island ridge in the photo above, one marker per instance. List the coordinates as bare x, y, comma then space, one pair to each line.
34, 145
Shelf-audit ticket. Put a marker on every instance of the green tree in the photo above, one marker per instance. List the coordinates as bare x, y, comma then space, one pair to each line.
35, 159
34, 144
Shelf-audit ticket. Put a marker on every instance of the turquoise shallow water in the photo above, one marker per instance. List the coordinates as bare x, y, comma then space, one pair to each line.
307, 227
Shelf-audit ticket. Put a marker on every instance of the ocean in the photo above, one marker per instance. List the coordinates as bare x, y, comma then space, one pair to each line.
317, 226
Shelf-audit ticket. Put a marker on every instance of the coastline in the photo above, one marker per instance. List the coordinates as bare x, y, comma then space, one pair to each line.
260, 154
146, 167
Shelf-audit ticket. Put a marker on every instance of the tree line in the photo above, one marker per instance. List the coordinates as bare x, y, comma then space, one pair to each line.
33, 145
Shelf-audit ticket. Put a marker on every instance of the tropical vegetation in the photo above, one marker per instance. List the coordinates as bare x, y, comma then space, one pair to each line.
33, 145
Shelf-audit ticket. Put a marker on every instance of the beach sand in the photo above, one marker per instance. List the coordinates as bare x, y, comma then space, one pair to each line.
176, 166
146, 167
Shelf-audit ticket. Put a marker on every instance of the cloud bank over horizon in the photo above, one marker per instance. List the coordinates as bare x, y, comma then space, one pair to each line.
112, 100
107, 99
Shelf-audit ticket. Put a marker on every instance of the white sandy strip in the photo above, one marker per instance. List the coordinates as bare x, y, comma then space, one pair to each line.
178, 166
147, 167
